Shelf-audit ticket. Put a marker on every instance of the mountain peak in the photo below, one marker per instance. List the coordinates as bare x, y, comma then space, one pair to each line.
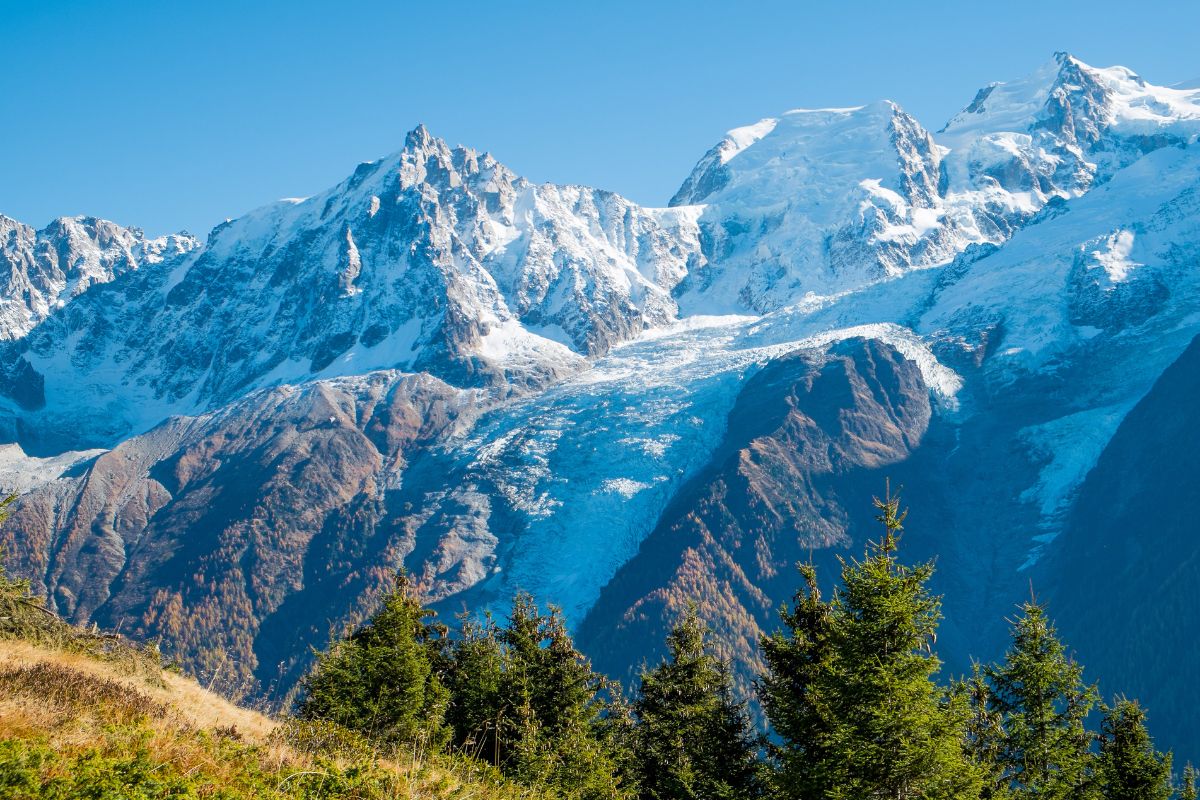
1104, 97
779, 146
1062, 58
419, 138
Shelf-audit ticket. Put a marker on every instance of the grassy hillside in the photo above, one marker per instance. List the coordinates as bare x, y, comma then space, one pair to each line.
87, 714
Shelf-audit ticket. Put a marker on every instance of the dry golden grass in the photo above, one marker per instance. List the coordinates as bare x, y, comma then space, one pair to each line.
84, 712
176, 696
70, 703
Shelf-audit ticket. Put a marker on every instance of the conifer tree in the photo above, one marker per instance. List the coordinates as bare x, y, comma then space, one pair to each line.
474, 676
380, 680
1039, 692
899, 735
1188, 790
562, 687
1129, 766
564, 742
616, 730
795, 693
526, 700
693, 740
872, 721
985, 734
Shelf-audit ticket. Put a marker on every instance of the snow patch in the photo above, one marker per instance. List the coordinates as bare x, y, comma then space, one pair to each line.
1069, 447
20, 472
1114, 256
741, 138
625, 487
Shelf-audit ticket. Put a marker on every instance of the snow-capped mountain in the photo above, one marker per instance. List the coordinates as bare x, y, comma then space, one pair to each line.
815, 203
434, 259
827, 201
44, 270
504, 385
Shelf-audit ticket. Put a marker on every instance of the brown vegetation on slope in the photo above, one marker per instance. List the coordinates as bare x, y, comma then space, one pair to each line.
241, 537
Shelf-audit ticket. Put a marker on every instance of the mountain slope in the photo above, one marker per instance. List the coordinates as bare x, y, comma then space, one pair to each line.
84, 713
799, 438
1131, 535
289, 486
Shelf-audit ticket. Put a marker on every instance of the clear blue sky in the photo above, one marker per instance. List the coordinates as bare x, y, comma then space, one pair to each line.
172, 115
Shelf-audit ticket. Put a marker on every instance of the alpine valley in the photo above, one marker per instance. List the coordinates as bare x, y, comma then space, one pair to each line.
232, 445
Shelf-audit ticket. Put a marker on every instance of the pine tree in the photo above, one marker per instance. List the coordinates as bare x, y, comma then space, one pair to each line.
732, 747
899, 734
693, 739
565, 690
1129, 766
380, 680
563, 742
869, 718
474, 676
616, 729
1044, 703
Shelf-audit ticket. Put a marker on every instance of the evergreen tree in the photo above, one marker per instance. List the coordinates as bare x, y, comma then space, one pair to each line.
1044, 703
380, 680
474, 677
873, 722
693, 739
1129, 766
617, 730
795, 693
985, 734
526, 700
899, 735
560, 709
1188, 790
558, 680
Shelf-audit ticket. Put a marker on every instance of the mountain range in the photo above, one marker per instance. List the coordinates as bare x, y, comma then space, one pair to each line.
232, 445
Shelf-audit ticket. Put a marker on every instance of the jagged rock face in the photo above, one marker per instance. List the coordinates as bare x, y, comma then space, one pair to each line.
806, 434
43, 270
1062, 129
1108, 291
434, 259
498, 385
